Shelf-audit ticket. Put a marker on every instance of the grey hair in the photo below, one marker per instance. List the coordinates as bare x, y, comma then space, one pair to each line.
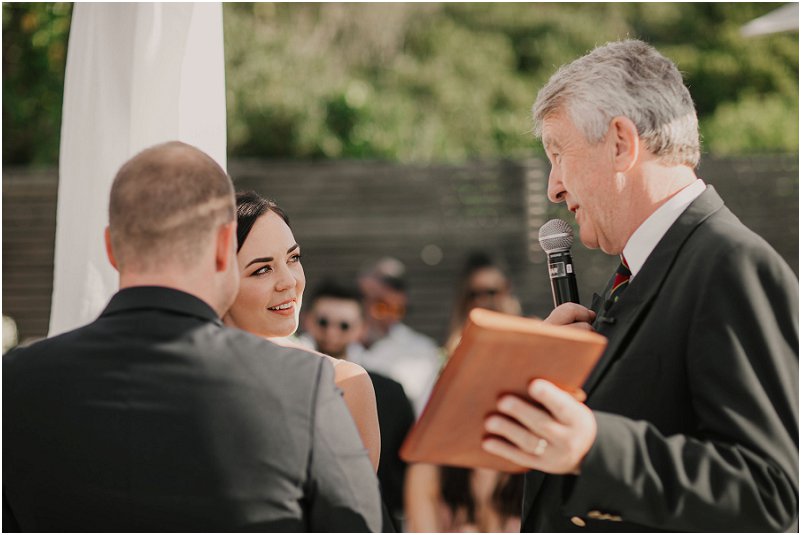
631, 79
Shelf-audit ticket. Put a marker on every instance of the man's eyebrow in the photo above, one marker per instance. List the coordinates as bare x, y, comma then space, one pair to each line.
549, 143
262, 259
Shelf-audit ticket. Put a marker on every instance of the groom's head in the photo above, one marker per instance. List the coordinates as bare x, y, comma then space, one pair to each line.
170, 212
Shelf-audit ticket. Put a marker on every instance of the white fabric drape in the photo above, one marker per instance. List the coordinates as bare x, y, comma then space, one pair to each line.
137, 75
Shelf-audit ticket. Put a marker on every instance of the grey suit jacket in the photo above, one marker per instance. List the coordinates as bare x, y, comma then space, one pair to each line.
696, 395
156, 417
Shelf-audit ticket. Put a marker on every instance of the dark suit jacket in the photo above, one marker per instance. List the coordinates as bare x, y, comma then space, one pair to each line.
395, 418
156, 417
696, 395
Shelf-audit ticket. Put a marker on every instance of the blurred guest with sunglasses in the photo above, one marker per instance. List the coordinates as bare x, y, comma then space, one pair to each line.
387, 345
270, 295
333, 320
449, 498
483, 284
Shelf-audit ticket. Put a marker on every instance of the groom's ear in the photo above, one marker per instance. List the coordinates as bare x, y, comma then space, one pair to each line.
109, 249
225, 252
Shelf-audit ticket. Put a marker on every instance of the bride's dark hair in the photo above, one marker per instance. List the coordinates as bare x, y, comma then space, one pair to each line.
249, 207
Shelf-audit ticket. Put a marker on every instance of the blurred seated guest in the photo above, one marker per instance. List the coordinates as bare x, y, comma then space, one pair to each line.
270, 296
447, 498
454, 499
334, 319
157, 417
483, 284
9, 333
387, 345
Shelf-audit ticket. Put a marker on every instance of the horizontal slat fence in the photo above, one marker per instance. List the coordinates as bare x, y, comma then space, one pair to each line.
347, 213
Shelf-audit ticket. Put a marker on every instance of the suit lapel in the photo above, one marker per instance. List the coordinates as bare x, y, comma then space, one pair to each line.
618, 323
533, 481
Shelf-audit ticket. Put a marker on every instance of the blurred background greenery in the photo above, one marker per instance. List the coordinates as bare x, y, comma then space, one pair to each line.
425, 82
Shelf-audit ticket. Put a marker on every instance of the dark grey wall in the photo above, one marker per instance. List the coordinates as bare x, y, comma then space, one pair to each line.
347, 213
29, 232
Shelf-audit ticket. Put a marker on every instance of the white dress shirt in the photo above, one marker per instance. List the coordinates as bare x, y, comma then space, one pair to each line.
647, 235
408, 357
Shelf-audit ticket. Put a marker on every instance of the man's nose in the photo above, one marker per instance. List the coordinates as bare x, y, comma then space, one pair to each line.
556, 190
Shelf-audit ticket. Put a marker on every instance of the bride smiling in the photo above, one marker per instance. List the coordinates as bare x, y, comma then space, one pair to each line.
270, 296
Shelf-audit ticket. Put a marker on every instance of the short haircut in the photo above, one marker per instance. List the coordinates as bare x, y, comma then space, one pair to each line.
477, 260
164, 205
388, 271
335, 289
631, 79
250, 206
474, 262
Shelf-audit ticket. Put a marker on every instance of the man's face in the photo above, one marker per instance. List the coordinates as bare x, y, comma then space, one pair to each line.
488, 288
334, 323
385, 306
583, 177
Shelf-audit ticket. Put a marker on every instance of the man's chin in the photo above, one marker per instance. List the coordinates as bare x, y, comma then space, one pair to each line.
608, 249
589, 240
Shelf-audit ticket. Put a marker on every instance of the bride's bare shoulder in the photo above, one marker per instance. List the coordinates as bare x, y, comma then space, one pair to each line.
288, 342
343, 369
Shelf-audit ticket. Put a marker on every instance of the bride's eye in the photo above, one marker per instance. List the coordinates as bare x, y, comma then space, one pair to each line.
262, 271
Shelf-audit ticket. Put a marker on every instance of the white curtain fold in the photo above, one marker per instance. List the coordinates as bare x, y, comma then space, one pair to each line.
137, 75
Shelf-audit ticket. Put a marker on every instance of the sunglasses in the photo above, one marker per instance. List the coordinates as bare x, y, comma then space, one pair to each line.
324, 322
384, 310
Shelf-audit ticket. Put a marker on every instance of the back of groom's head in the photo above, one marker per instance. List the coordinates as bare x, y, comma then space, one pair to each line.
165, 204
172, 223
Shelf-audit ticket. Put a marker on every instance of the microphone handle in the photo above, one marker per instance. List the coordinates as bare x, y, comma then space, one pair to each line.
563, 278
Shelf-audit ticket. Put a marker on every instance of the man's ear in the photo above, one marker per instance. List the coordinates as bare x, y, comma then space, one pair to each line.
226, 242
627, 143
109, 250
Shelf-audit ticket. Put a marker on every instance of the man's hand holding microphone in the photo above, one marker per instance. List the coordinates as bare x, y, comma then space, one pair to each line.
554, 433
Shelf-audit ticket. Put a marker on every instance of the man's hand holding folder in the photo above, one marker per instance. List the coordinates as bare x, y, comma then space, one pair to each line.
555, 437
509, 398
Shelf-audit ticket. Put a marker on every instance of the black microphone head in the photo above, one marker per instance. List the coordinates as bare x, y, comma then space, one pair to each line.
556, 235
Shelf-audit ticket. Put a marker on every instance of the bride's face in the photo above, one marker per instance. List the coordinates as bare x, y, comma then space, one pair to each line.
272, 280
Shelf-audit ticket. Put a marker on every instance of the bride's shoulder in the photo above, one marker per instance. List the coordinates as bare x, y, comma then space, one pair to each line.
344, 369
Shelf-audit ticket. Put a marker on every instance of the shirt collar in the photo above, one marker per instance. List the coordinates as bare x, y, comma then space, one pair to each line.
160, 297
648, 234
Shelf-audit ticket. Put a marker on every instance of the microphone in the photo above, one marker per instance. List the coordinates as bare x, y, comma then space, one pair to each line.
556, 238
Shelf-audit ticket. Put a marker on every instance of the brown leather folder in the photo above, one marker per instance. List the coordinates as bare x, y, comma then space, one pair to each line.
498, 354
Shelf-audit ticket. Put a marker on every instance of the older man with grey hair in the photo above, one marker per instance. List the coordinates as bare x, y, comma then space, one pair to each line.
691, 416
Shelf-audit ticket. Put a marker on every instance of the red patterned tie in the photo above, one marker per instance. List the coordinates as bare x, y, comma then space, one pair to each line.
622, 277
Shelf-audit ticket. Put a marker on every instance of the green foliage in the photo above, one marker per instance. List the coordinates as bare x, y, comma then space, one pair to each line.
455, 81
753, 124
426, 82
34, 56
